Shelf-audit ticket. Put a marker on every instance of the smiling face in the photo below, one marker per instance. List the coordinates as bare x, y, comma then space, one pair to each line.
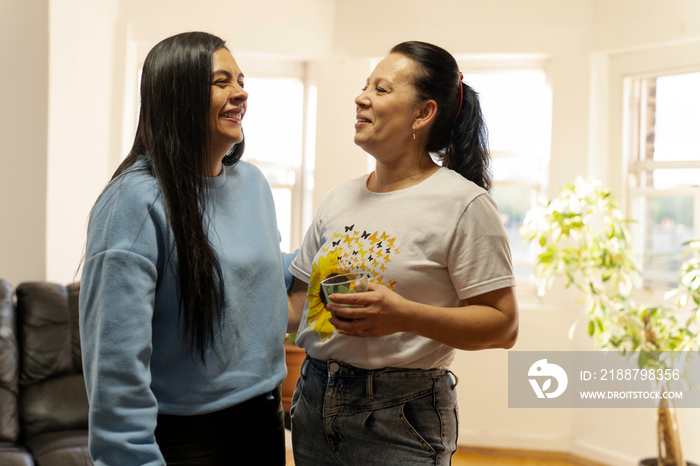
386, 108
228, 104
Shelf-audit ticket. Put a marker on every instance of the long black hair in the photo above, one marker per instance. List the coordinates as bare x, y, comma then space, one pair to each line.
173, 139
458, 135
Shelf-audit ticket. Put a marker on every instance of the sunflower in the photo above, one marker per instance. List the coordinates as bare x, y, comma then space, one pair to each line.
327, 266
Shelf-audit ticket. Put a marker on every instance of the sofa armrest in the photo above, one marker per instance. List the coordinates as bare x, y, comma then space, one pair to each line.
15, 456
64, 448
9, 362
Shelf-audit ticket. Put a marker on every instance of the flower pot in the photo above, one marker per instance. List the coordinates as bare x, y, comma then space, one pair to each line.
294, 357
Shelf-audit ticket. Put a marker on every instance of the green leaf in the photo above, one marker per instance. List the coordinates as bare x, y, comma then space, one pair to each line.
590, 249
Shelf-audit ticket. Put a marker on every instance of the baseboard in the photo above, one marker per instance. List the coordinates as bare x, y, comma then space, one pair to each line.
608, 456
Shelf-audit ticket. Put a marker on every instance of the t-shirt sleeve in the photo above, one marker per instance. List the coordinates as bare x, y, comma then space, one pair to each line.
302, 265
479, 258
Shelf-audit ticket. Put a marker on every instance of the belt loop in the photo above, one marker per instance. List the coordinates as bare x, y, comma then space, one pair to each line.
370, 389
304, 367
454, 376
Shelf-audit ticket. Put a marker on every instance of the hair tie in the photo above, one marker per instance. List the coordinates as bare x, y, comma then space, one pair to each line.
461, 95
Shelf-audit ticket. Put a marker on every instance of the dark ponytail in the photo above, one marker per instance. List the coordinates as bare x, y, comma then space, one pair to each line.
459, 140
173, 139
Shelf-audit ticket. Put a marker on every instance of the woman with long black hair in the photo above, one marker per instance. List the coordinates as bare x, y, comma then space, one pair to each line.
375, 386
183, 305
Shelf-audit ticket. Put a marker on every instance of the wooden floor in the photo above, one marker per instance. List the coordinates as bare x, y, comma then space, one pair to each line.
490, 457
468, 459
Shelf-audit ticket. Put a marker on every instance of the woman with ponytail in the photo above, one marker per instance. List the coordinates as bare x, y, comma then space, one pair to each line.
376, 386
183, 301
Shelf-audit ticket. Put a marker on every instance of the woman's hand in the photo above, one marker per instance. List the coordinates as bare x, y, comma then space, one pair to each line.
377, 312
489, 320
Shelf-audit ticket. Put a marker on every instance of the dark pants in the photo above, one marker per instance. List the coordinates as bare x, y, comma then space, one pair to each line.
249, 433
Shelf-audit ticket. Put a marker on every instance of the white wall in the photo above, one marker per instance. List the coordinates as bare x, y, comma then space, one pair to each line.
24, 93
633, 24
82, 93
495, 26
302, 29
54, 166
338, 81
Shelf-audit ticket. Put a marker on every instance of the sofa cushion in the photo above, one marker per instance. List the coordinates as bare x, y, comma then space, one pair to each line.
9, 359
53, 395
47, 327
55, 404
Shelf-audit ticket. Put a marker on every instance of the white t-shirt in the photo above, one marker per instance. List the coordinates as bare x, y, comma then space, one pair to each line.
438, 242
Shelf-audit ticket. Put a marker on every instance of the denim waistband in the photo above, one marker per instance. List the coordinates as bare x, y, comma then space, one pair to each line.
335, 368
334, 386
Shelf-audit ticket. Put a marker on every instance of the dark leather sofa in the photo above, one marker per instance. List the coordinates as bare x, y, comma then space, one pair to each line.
43, 402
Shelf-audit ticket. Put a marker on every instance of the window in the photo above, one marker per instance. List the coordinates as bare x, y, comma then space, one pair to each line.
517, 108
663, 174
273, 129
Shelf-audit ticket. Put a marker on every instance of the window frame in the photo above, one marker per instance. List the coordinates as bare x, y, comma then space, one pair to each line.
256, 66
495, 63
629, 73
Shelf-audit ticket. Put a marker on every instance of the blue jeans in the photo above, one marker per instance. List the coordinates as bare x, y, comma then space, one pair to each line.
343, 415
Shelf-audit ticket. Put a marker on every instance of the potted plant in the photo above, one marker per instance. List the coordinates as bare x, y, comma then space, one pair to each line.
582, 237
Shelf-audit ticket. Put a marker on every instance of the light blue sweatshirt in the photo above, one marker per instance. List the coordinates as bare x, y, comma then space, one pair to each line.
135, 359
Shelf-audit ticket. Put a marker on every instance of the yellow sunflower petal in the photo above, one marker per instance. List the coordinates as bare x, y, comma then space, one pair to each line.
318, 315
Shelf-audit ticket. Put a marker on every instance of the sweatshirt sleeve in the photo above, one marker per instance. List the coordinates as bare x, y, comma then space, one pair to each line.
287, 258
116, 308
